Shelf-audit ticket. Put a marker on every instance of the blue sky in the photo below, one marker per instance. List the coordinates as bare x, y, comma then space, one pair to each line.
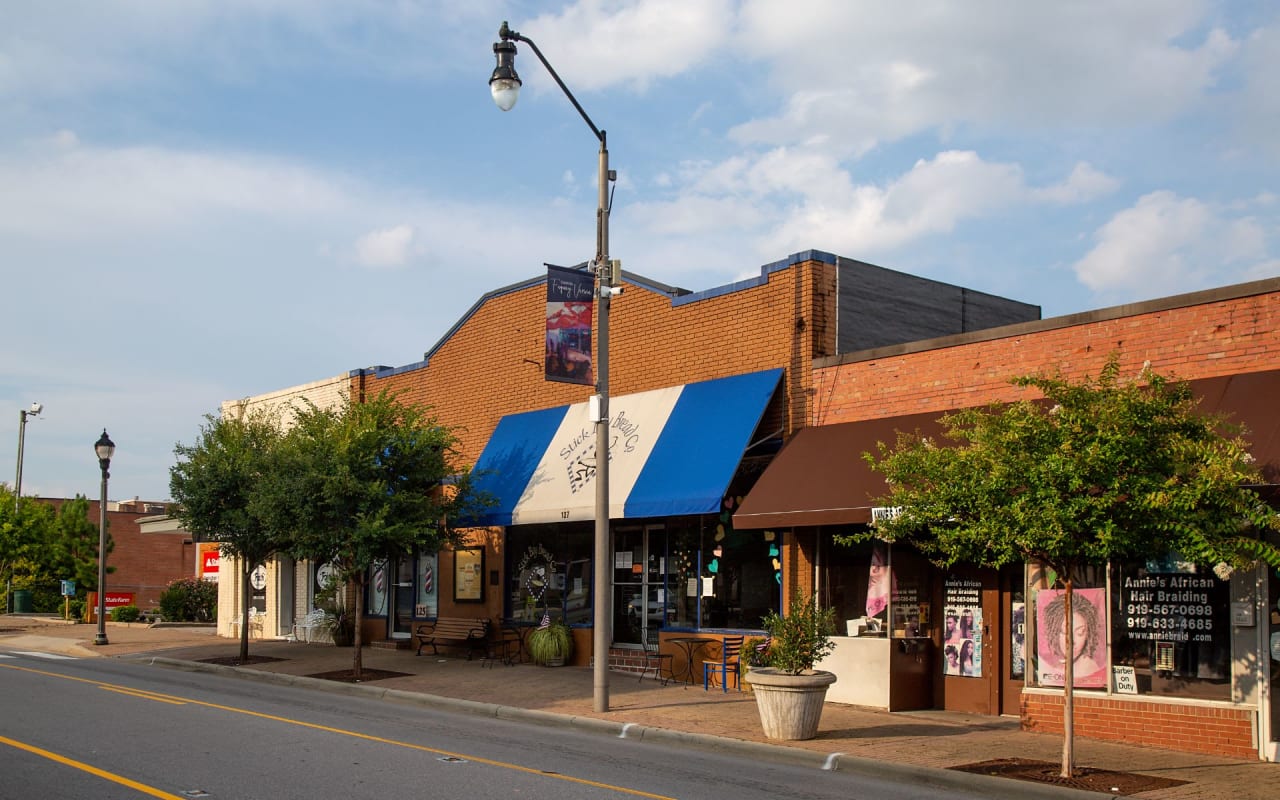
207, 200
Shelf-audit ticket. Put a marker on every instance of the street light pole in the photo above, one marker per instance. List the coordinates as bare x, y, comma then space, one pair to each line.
35, 408
504, 84
105, 449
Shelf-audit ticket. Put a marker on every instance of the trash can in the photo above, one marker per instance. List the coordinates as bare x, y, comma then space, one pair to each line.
22, 601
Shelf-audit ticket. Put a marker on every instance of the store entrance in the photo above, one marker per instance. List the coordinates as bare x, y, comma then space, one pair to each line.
972, 650
639, 584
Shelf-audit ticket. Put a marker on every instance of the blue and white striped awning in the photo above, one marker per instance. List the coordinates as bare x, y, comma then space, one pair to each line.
672, 452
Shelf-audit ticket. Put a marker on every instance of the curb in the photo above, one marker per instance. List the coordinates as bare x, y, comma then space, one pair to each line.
933, 777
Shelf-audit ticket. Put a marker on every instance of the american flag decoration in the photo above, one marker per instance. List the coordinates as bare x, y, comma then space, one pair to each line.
546, 620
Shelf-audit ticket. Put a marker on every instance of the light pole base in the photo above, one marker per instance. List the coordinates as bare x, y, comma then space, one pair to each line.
101, 638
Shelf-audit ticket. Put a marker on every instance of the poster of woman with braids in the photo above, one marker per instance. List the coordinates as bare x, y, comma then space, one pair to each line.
1089, 637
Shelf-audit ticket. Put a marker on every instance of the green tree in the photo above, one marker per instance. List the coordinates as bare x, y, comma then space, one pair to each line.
218, 482
1097, 470
365, 482
74, 551
23, 527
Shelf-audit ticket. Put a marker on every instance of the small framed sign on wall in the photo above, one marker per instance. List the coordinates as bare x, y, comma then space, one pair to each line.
468, 575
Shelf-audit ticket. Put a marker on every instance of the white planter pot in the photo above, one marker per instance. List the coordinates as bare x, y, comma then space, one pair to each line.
790, 706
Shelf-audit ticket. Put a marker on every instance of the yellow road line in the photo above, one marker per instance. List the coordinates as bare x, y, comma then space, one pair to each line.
352, 734
101, 773
143, 695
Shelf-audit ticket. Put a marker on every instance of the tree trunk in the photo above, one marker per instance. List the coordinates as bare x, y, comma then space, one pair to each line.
1068, 681
247, 572
358, 663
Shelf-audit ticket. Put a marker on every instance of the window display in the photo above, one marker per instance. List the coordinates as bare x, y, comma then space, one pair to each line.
1170, 622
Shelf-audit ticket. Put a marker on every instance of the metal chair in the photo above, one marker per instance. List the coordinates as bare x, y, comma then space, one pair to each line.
654, 659
730, 652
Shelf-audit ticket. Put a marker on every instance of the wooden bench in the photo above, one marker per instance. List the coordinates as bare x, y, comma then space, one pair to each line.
454, 632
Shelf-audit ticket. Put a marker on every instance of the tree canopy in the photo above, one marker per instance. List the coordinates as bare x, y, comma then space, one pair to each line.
1095, 470
364, 482
1098, 470
218, 483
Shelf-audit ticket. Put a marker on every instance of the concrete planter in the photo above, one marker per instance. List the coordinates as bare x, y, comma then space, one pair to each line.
789, 705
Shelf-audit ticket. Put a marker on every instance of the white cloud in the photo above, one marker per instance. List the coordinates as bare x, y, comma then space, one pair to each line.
73, 192
635, 42
388, 247
788, 200
1083, 184
881, 71
1176, 243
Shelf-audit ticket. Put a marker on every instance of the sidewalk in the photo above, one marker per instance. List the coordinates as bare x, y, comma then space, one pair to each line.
918, 744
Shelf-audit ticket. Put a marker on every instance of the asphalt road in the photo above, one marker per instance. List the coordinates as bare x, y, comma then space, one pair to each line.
76, 728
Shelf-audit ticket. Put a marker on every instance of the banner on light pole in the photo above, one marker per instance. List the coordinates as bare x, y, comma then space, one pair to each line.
570, 303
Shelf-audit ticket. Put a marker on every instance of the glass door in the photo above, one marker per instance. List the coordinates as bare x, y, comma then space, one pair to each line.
402, 598
639, 584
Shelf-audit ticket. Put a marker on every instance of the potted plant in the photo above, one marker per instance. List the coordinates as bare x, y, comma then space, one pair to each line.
550, 644
339, 621
789, 691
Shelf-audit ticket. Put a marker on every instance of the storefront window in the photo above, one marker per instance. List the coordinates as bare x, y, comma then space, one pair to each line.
1170, 629
426, 604
877, 589
549, 571
721, 577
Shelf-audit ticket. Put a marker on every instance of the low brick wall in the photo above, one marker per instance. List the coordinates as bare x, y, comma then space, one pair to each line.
1199, 729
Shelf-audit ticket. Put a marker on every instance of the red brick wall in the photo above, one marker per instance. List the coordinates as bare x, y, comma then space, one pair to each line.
493, 364
1198, 729
1210, 339
144, 563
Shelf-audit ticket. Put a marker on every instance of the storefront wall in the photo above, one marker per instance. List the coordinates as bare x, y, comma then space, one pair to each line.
496, 354
1207, 693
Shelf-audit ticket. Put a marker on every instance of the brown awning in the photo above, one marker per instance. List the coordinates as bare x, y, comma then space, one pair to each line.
820, 478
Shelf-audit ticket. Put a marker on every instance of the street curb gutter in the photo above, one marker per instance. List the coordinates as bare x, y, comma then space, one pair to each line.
936, 777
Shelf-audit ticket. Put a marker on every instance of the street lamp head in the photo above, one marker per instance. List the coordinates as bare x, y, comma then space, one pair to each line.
504, 84
105, 448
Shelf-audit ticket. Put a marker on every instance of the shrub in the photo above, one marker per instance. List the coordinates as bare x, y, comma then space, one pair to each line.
801, 638
189, 600
125, 614
75, 608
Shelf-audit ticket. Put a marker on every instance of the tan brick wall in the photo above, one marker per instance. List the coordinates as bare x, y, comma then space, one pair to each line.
1204, 340
1198, 729
493, 364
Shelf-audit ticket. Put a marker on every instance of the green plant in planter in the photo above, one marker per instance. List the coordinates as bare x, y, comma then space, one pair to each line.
801, 638
339, 621
550, 645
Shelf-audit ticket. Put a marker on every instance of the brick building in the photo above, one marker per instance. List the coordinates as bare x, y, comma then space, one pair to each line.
144, 562
490, 366
1212, 686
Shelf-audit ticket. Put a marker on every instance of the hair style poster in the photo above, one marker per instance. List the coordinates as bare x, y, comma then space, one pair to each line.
1088, 628
878, 582
962, 632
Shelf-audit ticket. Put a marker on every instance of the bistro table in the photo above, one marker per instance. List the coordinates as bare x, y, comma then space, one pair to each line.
691, 645
519, 629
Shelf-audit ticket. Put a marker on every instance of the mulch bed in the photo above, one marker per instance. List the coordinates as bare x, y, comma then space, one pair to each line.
1095, 780
366, 675
234, 661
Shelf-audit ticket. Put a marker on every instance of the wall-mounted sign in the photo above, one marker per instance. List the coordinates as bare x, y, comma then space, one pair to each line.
468, 575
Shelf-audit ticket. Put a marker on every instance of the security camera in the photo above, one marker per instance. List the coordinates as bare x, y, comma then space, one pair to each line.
36, 408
